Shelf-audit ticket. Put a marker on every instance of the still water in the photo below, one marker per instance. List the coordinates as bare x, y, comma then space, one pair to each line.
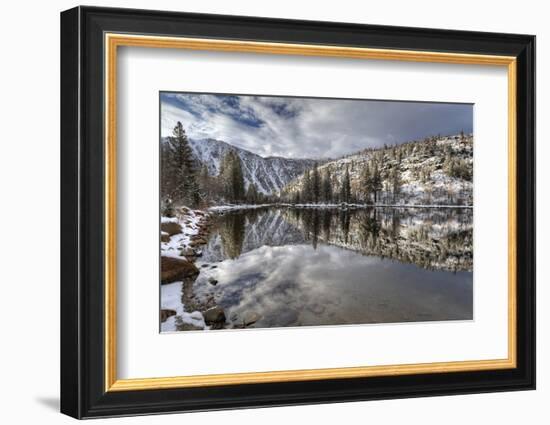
278, 267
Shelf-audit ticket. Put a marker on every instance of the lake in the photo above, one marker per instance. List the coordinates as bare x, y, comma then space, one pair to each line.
285, 266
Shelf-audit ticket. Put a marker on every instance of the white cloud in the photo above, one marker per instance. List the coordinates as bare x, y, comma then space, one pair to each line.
308, 127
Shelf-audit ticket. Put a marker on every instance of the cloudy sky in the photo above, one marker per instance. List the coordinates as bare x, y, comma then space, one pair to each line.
308, 127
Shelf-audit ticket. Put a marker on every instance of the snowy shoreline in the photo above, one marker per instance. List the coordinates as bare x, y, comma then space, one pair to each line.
224, 208
183, 244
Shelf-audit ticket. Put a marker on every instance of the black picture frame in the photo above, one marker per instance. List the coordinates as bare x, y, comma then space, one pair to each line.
83, 392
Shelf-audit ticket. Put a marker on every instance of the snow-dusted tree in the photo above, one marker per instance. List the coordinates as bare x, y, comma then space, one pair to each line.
166, 172
376, 181
306, 187
345, 190
396, 183
296, 197
167, 207
205, 183
252, 194
326, 187
366, 182
315, 184
231, 177
180, 169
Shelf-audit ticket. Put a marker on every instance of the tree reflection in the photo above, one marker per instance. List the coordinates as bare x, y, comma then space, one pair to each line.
344, 220
430, 238
369, 227
232, 234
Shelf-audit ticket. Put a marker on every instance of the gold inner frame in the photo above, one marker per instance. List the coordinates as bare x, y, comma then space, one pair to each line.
113, 41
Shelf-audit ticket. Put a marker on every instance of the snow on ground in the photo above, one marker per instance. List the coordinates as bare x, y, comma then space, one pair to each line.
351, 205
168, 219
222, 208
190, 221
171, 294
170, 298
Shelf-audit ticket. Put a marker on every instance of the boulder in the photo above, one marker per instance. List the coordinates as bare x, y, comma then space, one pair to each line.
187, 327
174, 269
250, 318
197, 242
165, 313
171, 227
164, 237
214, 315
212, 281
188, 252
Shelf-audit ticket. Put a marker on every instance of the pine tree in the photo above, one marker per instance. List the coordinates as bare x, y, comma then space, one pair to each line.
366, 182
326, 187
238, 179
252, 194
205, 183
345, 191
315, 184
306, 187
396, 183
296, 198
376, 181
181, 169
231, 177
224, 177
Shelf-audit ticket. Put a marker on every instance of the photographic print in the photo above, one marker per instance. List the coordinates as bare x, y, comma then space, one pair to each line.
301, 211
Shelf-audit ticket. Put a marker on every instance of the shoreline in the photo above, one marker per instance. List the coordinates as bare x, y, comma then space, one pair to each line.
223, 208
182, 239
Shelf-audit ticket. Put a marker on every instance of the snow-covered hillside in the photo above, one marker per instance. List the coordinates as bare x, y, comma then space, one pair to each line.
434, 171
269, 174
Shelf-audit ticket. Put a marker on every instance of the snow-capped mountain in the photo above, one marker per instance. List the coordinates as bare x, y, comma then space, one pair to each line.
434, 171
269, 174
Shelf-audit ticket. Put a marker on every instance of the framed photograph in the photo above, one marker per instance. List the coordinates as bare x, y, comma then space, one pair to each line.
261, 212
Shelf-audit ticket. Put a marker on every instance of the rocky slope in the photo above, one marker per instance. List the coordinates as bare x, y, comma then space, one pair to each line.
269, 174
434, 171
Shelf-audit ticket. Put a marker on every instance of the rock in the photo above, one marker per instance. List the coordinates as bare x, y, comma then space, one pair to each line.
165, 313
214, 315
171, 227
237, 326
250, 318
188, 252
213, 267
164, 237
212, 281
204, 265
187, 327
174, 269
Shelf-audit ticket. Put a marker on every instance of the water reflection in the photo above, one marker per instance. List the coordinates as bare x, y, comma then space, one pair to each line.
295, 285
431, 238
292, 267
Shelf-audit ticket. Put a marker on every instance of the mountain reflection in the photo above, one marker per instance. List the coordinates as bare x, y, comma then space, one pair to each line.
434, 239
